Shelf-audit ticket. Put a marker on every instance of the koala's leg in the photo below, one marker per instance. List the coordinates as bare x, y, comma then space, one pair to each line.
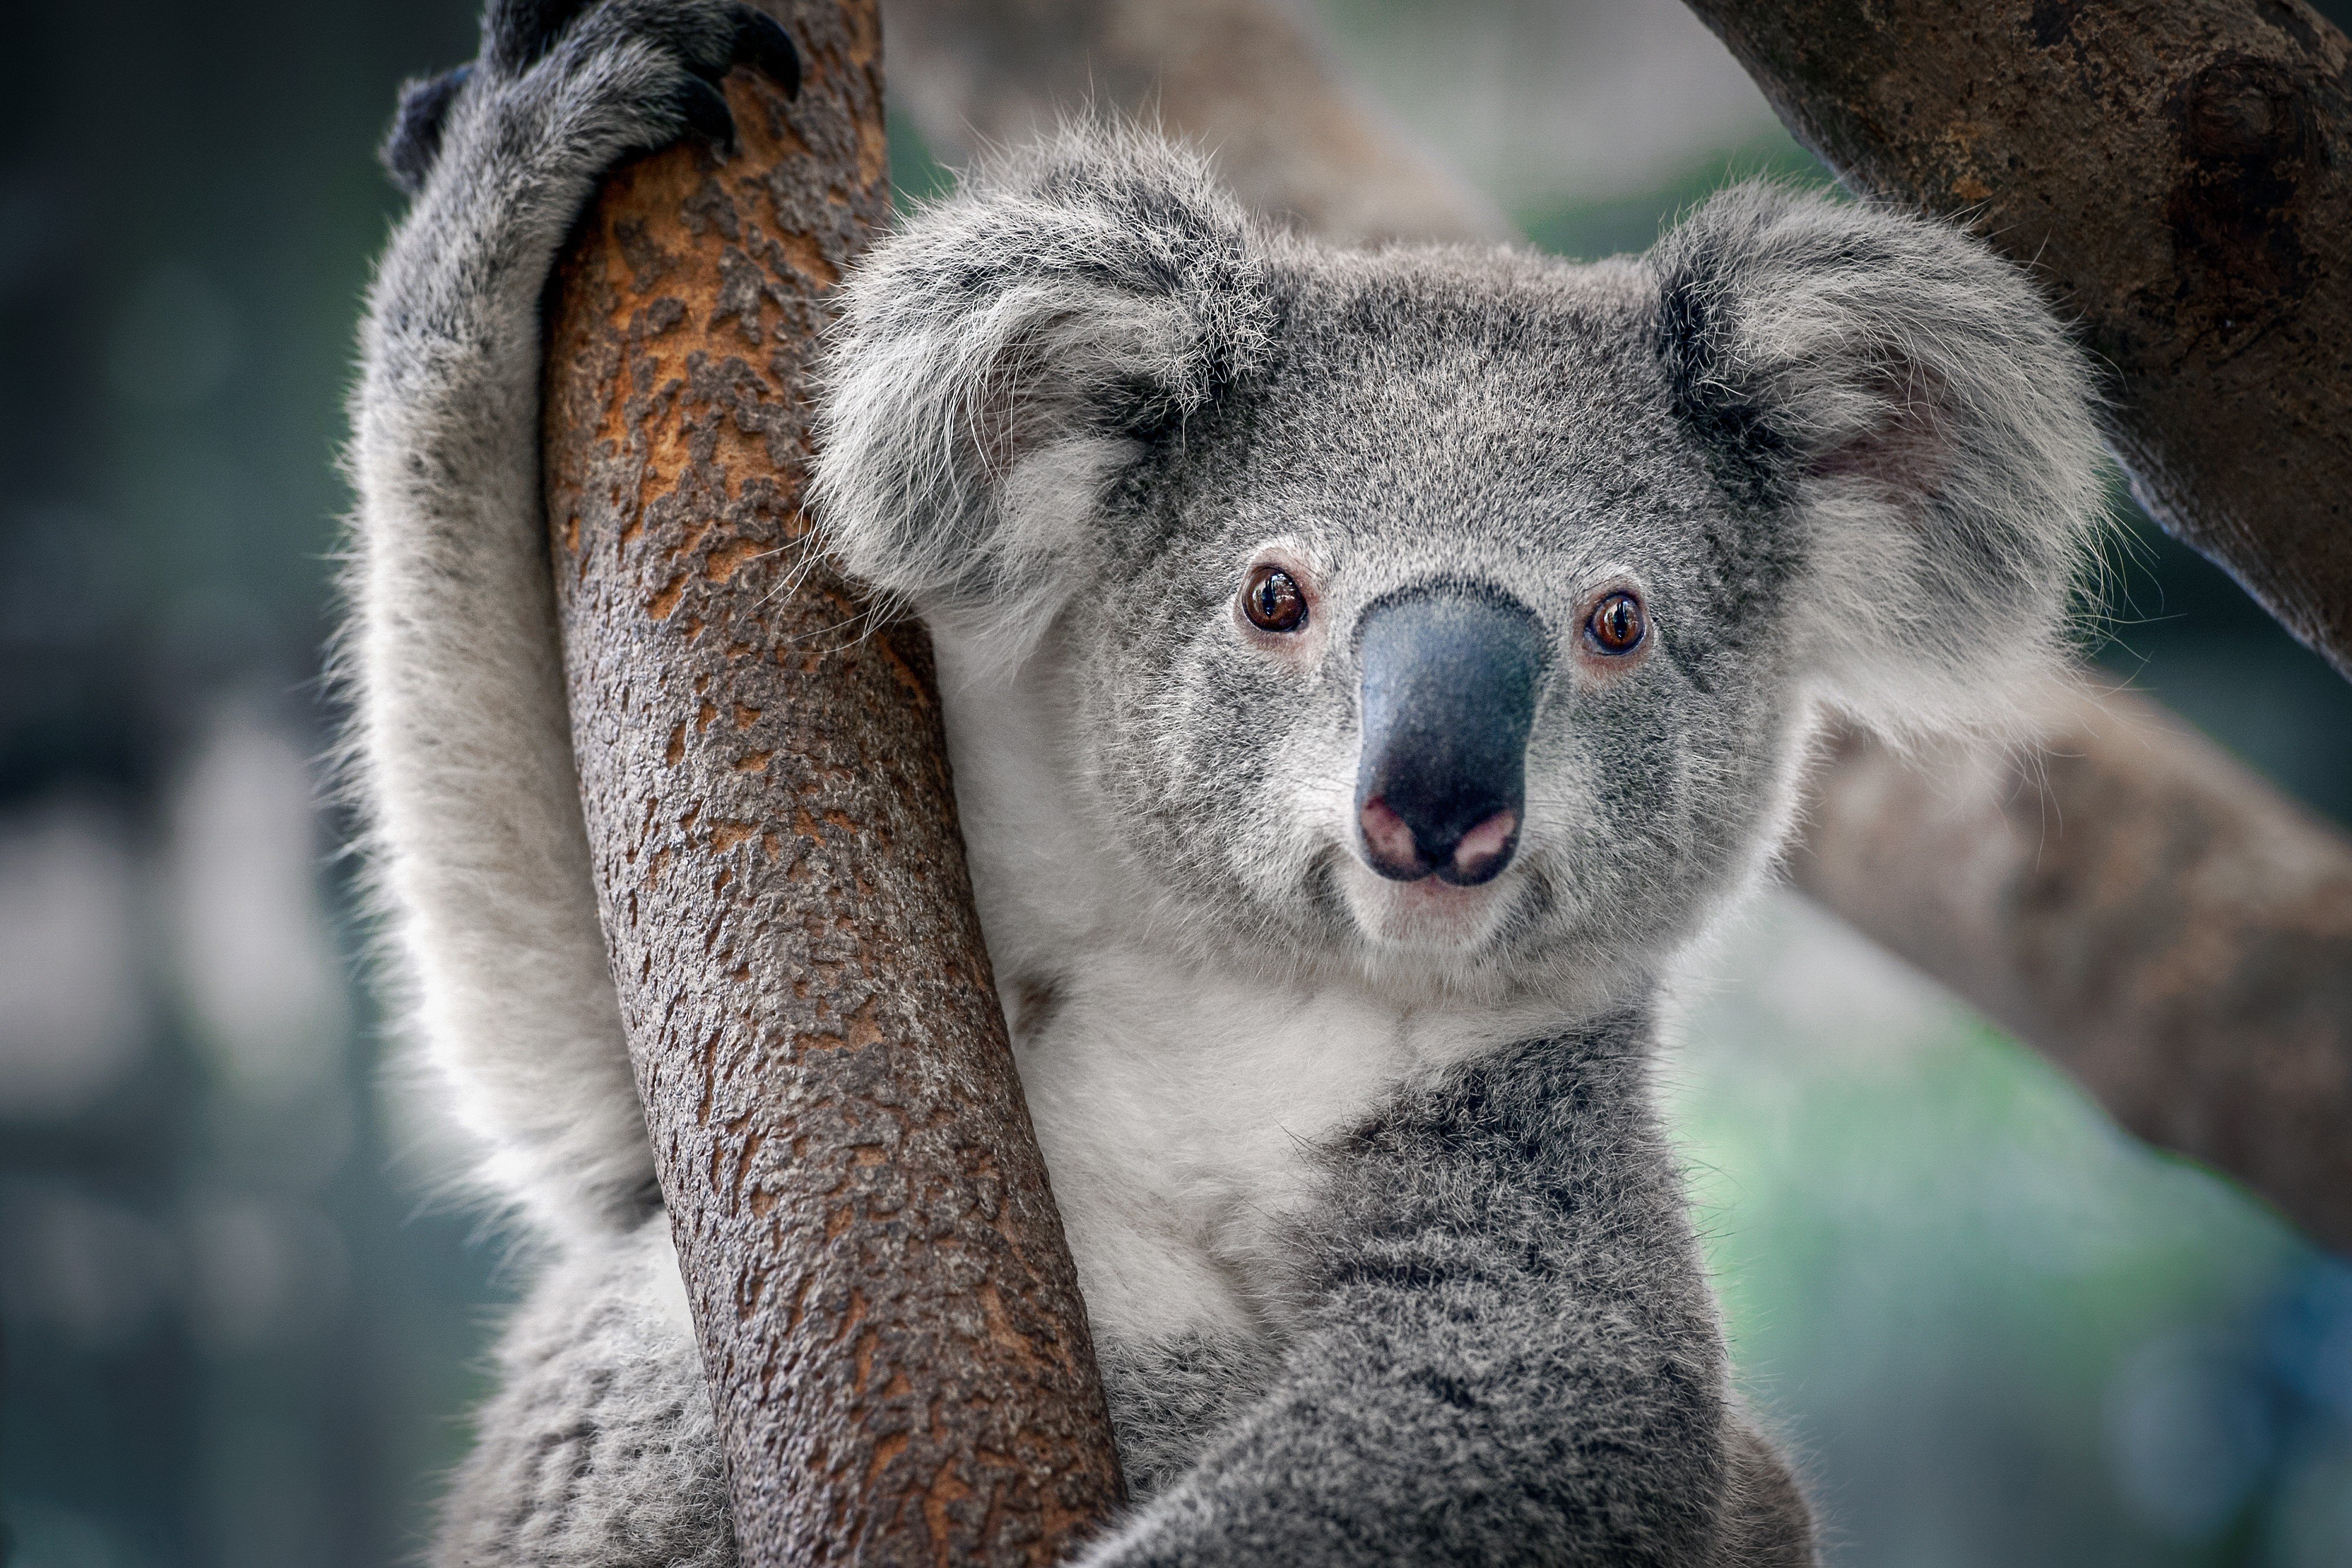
461, 740
1505, 1352
599, 1450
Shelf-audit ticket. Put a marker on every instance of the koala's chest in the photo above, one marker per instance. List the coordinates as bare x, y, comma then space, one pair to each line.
1178, 1110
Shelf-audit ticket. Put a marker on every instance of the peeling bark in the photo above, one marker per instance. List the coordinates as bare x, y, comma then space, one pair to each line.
889, 1315
2179, 173
2141, 907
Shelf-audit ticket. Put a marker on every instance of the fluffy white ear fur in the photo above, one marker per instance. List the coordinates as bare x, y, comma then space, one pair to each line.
1909, 398
998, 363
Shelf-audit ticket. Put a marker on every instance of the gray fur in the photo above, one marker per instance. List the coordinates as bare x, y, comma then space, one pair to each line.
1385, 1254
461, 727
598, 1450
1168, 1396
1506, 1352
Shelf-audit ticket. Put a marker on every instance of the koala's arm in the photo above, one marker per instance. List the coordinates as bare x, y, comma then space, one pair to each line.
1507, 1352
461, 739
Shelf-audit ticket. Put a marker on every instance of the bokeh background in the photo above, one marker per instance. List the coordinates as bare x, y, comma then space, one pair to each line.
241, 1323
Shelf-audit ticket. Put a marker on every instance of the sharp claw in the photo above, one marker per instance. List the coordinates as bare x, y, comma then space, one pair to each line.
762, 41
707, 112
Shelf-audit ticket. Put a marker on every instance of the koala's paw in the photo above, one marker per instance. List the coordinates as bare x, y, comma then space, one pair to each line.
570, 88
414, 139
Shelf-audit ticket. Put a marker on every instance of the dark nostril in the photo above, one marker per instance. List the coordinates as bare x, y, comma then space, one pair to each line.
1481, 853
1395, 850
1390, 846
1400, 852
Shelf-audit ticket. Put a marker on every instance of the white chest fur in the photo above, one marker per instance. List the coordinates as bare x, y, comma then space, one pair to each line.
1176, 1097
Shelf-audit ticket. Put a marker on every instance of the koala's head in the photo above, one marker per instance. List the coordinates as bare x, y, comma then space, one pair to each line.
1454, 612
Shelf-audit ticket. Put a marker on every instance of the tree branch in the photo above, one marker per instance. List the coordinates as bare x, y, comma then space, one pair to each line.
2141, 907
2128, 898
889, 1315
1290, 130
2180, 173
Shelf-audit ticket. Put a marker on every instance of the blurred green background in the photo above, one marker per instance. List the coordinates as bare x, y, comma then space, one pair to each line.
241, 1322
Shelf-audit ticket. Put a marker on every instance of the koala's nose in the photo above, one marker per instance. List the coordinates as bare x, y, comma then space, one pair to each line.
1449, 695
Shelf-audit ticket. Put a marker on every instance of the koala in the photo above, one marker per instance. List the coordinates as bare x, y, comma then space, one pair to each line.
1366, 672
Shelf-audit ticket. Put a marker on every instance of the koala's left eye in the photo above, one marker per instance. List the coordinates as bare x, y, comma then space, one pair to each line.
1272, 601
1616, 625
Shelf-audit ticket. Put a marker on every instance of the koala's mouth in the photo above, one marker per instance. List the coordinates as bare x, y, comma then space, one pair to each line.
1427, 914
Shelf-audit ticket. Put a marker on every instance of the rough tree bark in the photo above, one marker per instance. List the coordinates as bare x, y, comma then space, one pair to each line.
889, 1315
2180, 173
2095, 883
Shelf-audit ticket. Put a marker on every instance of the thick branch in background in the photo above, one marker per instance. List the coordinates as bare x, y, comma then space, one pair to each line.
889, 1315
2230, 891
2179, 173
1252, 78
2168, 929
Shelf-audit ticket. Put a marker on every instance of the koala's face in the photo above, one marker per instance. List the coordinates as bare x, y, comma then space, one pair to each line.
1452, 615
1434, 641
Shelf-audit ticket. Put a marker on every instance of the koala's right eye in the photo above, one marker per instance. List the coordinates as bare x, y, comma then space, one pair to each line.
1272, 601
1615, 624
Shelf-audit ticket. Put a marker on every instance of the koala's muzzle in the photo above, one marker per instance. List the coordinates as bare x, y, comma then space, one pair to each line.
1449, 695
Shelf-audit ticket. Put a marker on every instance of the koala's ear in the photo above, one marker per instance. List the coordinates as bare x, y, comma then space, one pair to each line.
1010, 351
1903, 397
